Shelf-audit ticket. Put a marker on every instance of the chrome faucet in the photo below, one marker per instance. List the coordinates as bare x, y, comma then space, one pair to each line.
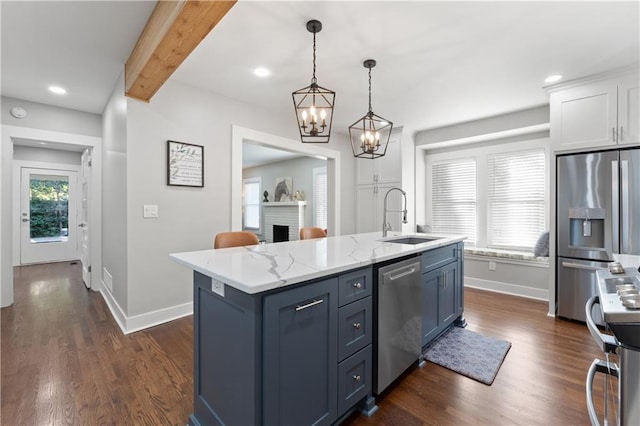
385, 225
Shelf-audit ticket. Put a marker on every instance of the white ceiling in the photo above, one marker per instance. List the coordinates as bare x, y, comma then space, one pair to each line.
439, 63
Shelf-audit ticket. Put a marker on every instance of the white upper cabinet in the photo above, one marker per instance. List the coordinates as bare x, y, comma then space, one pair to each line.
629, 111
596, 114
384, 169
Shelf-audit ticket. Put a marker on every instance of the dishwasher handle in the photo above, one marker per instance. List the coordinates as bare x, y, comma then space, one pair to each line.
407, 271
606, 342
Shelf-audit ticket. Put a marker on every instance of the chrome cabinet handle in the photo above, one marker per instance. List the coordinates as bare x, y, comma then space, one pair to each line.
621, 133
308, 305
356, 378
357, 285
356, 326
24, 219
613, 134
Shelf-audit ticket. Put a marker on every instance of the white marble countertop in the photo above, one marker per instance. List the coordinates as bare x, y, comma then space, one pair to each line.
627, 260
255, 269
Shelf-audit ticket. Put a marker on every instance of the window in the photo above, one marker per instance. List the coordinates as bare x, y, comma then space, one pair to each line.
516, 199
453, 203
320, 197
496, 194
251, 203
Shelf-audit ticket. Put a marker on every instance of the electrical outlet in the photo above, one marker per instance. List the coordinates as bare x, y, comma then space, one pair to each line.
217, 287
492, 266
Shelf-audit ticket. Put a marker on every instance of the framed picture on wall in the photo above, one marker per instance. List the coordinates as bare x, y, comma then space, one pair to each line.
185, 164
283, 189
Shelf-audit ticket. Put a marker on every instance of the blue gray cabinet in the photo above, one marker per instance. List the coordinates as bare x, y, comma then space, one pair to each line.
301, 355
442, 290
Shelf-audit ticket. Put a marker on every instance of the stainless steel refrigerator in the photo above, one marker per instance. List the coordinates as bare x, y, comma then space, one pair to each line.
598, 214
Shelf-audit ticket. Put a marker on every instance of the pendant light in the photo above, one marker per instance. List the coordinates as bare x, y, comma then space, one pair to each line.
314, 104
370, 134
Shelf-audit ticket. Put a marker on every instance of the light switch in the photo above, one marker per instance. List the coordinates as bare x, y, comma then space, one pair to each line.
150, 210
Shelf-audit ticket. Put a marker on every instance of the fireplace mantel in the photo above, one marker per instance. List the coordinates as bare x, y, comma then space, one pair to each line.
285, 204
285, 213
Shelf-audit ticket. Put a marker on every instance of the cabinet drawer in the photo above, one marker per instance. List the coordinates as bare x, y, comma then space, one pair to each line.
354, 379
354, 285
436, 258
355, 327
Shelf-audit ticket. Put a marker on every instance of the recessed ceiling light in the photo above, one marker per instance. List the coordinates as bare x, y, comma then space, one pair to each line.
57, 90
553, 78
262, 72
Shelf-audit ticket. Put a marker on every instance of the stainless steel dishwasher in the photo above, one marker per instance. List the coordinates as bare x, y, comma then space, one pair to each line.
399, 320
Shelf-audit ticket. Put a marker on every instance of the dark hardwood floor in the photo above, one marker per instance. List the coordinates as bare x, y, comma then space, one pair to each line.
65, 361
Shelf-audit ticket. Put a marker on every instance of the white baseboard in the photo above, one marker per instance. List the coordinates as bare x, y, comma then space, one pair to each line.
148, 319
116, 311
507, 288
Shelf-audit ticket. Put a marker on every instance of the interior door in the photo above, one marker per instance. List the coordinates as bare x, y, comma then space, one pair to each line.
48, 215
83, 226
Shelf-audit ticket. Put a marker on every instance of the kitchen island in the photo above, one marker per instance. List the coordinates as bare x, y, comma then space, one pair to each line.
284, 332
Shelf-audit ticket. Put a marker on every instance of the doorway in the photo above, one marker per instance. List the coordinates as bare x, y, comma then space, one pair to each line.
48, 223
240, 135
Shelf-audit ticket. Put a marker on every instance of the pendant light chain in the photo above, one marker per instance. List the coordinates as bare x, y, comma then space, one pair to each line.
370, 109
313, 80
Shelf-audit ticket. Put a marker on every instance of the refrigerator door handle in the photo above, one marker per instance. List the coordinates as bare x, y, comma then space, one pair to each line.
581, 266
624, 206
615, 206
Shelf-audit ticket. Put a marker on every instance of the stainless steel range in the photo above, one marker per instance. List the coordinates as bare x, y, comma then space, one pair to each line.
619, 300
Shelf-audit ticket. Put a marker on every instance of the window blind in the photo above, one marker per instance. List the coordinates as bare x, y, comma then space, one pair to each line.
516, 199
251, 206
453, 208
320, 197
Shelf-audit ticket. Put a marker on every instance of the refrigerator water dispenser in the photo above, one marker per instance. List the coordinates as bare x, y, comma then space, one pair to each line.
586, 228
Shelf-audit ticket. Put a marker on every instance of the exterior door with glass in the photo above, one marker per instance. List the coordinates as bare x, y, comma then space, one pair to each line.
48, 215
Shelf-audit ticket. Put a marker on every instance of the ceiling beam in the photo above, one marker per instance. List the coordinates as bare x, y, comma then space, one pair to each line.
173, 30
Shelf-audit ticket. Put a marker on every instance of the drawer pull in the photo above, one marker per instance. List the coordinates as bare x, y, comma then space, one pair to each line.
356, 325
308, 305
357, 285
356, 378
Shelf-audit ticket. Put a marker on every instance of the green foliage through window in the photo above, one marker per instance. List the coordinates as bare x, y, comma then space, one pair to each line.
49, 207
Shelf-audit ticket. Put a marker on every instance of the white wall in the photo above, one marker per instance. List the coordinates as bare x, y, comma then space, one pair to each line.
158, 289
47, 117
114, 201
44, 155
301, 171
529, 279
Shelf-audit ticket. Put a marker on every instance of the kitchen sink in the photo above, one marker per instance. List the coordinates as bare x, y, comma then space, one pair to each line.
412, 240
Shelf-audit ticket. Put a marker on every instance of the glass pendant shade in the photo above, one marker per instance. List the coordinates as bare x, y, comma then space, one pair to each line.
314, 103
370, 134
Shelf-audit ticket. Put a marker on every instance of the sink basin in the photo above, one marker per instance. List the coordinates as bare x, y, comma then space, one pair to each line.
621, 283
411, 240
